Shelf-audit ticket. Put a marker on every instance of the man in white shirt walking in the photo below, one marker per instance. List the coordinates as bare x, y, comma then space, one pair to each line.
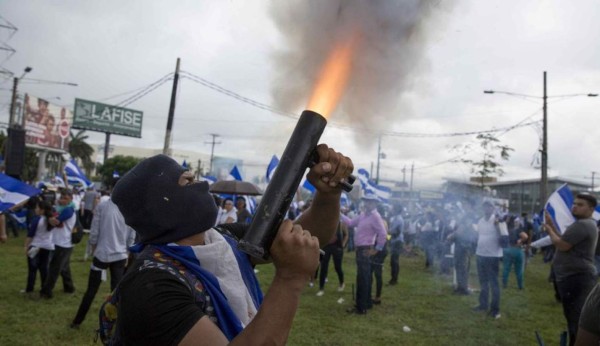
489, 254
110, 238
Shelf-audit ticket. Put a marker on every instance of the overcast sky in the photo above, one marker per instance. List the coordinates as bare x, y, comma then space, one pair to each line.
437, 74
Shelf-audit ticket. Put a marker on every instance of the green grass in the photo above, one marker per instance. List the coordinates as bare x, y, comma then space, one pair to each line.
422, 300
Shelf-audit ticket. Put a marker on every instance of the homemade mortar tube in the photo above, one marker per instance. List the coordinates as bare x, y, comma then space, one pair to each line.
279, 194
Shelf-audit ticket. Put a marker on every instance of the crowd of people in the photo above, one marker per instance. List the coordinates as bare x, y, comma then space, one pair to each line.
185, 278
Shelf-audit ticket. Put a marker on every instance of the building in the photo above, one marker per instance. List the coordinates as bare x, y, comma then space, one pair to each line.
523, 195
200, 162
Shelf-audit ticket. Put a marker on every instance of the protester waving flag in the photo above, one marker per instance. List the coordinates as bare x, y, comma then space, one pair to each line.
559, 207
13, 192
271, 167
75, 175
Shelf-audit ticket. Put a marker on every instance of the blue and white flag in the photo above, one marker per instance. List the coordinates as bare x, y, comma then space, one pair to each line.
13, 191
308, 186
208, 178
250, 204
558, 207
384, 193
234, 174
20, 217
116, 174
75, 175
305, 184
184, 164
58, 180
271, 167
344, 200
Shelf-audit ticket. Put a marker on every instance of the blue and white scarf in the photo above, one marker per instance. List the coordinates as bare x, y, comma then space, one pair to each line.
229, 323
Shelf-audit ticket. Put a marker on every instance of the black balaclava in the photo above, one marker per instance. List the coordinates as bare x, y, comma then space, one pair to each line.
157, 207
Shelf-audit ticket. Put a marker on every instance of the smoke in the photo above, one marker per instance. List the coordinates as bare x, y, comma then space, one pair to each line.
386, 66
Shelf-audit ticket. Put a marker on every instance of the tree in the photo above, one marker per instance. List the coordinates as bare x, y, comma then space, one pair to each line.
488, 164
79, 148
120, 164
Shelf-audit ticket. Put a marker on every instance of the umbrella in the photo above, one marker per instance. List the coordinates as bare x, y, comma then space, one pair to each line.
235, 187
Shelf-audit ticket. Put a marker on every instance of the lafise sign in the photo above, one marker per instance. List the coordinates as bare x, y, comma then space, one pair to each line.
119, 115
107, 118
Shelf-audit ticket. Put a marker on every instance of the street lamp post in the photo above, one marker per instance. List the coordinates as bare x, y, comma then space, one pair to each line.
380, 156
13, 101
14, 154
544, 150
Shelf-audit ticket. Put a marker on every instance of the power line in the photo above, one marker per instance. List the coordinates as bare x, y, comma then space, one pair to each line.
270, 108
149, 88
235, 95
506, 130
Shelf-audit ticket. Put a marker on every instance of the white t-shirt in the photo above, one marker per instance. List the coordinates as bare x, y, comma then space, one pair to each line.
488, 242
62, 235
224, 215
42, 238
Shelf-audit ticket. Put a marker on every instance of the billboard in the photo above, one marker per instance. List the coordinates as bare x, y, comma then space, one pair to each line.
46, 125
95, 116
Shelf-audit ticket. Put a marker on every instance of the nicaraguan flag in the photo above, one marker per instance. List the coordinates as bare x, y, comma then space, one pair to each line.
20, 217
116, 175
59, 181
271, 167
308, 186
559, 207
363, 177
344, 200
13, 191
208, 178
251, 204
234, 174
75, 175
369, 186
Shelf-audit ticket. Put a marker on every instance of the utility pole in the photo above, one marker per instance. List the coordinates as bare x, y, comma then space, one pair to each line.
14, 146
544, 151
593, 180
13, 102
212, 150
378, 158
166, 149
404, 174
544, 182
412, 172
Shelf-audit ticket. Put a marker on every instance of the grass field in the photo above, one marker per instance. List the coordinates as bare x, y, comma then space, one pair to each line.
422, 300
